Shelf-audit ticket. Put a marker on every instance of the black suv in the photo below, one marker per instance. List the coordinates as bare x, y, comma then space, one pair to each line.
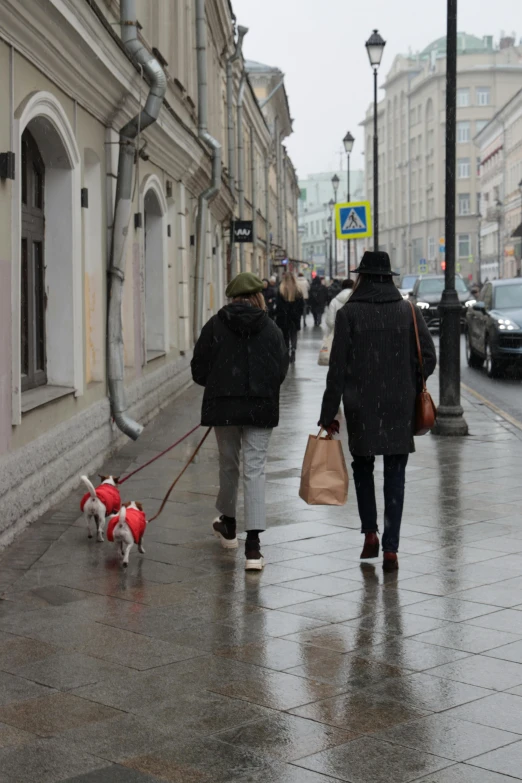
427, 294
494, 326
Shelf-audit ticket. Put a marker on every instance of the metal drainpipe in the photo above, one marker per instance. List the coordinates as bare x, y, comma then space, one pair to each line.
277, 138
241, 32
215, 147
122, 212
267, 213
241, 163
253, 179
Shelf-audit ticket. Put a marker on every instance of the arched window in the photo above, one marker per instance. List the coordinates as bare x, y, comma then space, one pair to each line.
156, 280
32, 294
47, 343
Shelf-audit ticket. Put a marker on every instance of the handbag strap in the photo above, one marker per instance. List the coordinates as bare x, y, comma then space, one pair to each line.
417, 340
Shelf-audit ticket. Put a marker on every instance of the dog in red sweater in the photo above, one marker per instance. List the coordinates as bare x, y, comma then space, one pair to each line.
127, 528
99, 503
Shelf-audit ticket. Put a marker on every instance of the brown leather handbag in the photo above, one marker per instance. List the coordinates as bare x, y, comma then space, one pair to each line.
425, 408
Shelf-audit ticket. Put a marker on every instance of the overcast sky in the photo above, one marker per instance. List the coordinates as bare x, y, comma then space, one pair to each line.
319, 45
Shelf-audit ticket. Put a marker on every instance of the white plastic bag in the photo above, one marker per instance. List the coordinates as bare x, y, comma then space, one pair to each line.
324, 353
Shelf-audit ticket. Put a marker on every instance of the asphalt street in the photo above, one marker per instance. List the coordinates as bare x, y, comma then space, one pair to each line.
504, 393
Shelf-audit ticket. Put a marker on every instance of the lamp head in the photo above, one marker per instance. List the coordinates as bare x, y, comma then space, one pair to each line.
375, 48
348, 142
335, 183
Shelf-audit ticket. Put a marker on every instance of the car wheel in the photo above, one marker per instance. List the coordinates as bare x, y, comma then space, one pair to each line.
473, 359
493, 365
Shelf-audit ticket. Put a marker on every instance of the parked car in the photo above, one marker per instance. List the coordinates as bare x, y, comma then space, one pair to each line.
427, 293
494, 326
406, 285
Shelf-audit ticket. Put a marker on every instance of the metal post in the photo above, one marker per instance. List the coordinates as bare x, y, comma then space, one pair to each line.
500, 261
520, 261
450, 419
334, 232
331, 248
375, 167
348, 256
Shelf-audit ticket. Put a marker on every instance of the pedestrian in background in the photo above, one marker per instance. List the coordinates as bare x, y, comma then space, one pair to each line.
333, 289
336, 304
289, 310
374, 367
241, 360
318, 298
270, 294
304, 287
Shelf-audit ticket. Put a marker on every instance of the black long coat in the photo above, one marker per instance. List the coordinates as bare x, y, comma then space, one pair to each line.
374, 367
241, 359
289, 312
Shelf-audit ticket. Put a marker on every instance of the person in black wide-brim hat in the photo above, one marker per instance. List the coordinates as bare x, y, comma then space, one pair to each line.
377, 263
374, 368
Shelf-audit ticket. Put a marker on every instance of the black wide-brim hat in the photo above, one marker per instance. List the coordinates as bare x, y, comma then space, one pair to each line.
375, 263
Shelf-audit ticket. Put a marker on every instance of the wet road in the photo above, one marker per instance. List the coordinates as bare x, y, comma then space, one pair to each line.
318, 670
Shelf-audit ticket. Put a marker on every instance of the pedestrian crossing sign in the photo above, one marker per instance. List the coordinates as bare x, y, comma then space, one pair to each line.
353, 220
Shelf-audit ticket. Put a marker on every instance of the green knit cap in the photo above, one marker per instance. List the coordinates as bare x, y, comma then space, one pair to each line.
244, 284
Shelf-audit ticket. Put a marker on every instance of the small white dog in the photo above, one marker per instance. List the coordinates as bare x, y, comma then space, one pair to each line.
99, 503
127, 528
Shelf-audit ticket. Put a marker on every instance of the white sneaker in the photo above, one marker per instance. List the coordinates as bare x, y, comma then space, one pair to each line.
255, 565
220, 531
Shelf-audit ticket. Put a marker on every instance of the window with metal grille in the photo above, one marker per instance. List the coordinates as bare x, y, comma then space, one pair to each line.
33, 296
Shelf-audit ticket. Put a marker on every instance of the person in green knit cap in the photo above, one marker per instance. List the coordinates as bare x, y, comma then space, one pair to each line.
241, 359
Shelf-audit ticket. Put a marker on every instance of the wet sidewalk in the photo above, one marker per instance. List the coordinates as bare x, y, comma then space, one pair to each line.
186, 669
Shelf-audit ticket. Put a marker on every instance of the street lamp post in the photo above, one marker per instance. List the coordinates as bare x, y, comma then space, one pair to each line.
335, 185
331, 205
520, 230
348, 142
499, 240
375, 48
325, 235
450, 419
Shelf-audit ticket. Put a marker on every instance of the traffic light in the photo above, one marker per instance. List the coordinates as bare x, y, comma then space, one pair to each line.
443, 265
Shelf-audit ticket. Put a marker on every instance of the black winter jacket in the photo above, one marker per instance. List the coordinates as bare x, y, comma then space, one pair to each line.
289, 312
241, 360
374, 367
318, 296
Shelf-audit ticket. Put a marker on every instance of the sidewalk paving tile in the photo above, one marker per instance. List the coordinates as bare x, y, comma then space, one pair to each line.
320, 669
367, 759
507, 761
447, 737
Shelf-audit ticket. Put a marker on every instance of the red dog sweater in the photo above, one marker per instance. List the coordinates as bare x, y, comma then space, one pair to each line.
135, 519
109, 496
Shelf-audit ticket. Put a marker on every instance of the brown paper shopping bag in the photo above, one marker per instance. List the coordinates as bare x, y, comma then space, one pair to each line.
324, 477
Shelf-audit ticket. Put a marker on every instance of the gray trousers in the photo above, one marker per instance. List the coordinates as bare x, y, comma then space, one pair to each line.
254, 441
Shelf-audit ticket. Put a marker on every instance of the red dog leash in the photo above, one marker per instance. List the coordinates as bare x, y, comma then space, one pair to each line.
190, 459
126, 478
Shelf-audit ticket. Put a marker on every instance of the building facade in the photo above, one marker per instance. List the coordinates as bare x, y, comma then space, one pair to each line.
316, 229
500, 150
411, 128
282, 189
69, 84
